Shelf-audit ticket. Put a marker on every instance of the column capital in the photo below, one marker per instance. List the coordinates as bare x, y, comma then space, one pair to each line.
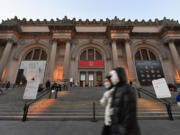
113, 40
128, 40
68, 40
170, 41
10, 40
53, 39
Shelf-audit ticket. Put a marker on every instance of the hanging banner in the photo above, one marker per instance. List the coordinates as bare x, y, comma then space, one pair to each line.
91, 63
31, 89
161, 88
34, 74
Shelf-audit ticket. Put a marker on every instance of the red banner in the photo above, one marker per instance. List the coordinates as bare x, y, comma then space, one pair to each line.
91, 63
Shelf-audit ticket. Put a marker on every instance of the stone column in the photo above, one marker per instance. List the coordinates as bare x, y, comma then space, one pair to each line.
95, 78
87, 78
115, 54
5, 56
67, 61
130, 60
52, 59
175, 55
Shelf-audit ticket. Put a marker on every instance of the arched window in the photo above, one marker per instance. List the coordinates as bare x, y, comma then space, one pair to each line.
145, 54
36, 54
90, 54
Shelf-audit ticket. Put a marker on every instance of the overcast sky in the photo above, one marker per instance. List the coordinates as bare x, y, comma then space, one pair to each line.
98, 9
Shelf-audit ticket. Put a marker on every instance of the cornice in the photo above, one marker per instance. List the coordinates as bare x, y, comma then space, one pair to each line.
113, 22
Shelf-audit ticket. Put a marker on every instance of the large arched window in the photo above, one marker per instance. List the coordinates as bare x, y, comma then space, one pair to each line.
145, 54
91, 54
148, 66
36, 54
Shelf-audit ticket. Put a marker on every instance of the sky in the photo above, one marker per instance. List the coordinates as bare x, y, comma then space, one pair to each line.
90, 9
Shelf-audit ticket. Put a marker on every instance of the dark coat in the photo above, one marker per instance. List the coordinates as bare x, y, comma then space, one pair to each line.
48, 84
124, 121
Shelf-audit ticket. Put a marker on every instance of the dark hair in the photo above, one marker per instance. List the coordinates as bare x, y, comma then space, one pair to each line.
121, 75
108, 77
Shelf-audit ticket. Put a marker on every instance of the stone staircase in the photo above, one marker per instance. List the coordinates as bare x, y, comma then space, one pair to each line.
75, 104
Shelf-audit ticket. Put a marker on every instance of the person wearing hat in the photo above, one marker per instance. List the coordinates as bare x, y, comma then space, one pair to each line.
124, 121
106, 102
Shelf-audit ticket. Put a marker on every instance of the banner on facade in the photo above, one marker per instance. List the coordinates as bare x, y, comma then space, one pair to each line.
31, 89
161, 88
91, 63
34, 74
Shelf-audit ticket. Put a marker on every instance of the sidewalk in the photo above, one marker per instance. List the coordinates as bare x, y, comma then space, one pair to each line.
148, 127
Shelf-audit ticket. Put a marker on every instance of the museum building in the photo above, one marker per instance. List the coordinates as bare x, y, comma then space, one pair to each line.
87, 50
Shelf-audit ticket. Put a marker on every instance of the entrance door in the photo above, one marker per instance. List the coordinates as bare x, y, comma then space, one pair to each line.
91, 79
82, 79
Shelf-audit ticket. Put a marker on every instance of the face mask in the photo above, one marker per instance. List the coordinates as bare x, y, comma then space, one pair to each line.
114, 77
107, 85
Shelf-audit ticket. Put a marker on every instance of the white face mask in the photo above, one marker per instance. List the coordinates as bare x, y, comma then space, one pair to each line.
114, 77
107, 85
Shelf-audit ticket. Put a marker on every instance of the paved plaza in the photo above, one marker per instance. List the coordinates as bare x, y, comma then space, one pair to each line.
148, 127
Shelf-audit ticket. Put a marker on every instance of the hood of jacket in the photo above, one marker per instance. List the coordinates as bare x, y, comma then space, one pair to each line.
121, 75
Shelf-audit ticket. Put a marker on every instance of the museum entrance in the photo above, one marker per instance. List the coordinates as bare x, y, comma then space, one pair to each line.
148, 67
91, 78
91, 68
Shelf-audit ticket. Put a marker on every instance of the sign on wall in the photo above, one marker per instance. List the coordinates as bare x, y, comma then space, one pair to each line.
34, 74
161, 88
91, 64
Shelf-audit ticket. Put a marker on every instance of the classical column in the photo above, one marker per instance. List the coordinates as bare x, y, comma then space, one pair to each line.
67, 60
115, 54
174, 54
52, 58
87, 78
5, 56
130, 60
95, 78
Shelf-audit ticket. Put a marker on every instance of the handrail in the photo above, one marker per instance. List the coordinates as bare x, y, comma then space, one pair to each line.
27, 104
163, 101
152, 95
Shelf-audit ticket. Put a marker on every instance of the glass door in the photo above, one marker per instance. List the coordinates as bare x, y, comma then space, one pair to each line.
82, 79
91, 79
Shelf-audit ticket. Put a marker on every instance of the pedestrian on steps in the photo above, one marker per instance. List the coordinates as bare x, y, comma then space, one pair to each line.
124, 121
8, 85
106, 102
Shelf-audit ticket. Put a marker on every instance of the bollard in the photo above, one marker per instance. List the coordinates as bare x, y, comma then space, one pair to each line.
94, 113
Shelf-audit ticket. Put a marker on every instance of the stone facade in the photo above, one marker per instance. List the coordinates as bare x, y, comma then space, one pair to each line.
112, 43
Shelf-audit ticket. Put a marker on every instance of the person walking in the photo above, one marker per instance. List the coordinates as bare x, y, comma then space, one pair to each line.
124, 121
178, 99
48, 85
8, 85
106, 102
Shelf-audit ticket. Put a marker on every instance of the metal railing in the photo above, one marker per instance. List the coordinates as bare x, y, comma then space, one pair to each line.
27, 104
163, 101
